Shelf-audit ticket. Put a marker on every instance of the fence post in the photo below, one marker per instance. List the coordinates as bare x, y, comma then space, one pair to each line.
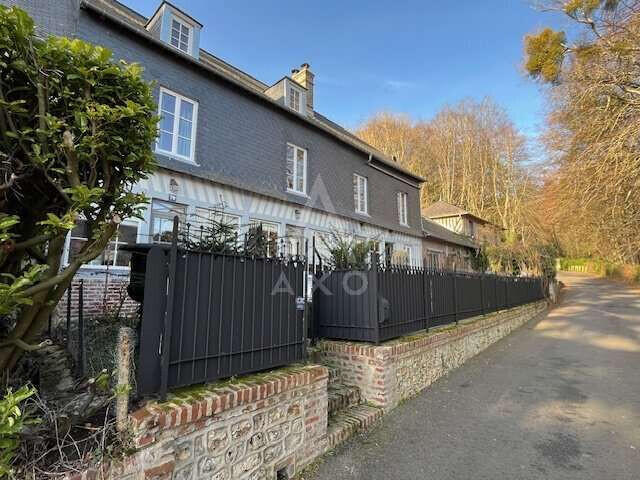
125, 346
168, 314
69, 316
482, 292
506, 294
82, 354
426, 298
372, 293
455, 297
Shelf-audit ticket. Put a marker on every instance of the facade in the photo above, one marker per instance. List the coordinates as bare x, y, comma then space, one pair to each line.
463, 222
444, 249
232, 147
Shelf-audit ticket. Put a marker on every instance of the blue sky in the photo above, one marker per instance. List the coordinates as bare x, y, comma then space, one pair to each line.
410, 56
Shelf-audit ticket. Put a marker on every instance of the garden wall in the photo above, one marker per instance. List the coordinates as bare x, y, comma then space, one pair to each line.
396, 370
103, 294
249, 429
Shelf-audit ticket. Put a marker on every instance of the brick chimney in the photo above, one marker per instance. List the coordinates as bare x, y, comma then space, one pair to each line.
304, 77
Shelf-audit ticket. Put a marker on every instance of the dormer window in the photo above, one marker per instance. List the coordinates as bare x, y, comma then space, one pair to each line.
294, 99
180, 35
176, 28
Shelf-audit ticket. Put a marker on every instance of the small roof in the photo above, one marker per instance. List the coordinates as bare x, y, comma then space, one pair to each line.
434, 230
442, 209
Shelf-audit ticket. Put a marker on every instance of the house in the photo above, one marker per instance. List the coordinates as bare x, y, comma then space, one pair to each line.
233, 147
444, 249
464, 222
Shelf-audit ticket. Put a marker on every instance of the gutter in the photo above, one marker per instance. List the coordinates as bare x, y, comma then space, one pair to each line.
145, 35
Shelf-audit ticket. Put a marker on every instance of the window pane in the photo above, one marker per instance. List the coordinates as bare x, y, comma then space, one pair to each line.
168, 208
165, 141
184, 128
175, 24
166, 122
162, 230
168, 102
289, 167
174, 40
107, 257
300, 170
186, 110
127, 234
355, 192
184, 147
80, 230
75, 245
123, 259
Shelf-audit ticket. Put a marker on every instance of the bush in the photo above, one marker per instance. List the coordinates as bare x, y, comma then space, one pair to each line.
12, 422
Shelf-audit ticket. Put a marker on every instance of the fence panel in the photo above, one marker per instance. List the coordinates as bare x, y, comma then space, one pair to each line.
345, 305
443, 301
398, 301
402, 289
226, 315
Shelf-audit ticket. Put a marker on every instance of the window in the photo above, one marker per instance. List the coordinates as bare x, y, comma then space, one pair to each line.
176, 131
271, 232
180, 35
360, 194
113, 255
162, 214
206, 217
294, 240
402, 209
296, 169
402, 256
294, 99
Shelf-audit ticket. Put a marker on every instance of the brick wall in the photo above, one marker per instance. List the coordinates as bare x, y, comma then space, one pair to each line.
396, 370
102, 294
249, 429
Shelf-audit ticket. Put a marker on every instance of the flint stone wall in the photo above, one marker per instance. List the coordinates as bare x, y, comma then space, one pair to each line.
248, 430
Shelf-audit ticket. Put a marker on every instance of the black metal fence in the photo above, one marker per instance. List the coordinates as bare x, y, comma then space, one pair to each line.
210, 315
382, 303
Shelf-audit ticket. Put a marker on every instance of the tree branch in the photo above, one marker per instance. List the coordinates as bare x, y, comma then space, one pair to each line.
16, 342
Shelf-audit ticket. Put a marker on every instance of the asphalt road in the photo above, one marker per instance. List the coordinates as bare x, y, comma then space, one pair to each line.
557, 399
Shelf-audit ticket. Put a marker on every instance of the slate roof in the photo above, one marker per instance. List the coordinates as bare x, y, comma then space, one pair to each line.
432, 229
135, 22
442, 209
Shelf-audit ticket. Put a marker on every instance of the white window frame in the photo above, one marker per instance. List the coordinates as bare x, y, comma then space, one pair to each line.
403, 215
257, 221
287, 96
153, 216
67, 248
189, 30
356, 194
295, 170
176, 120
215, 215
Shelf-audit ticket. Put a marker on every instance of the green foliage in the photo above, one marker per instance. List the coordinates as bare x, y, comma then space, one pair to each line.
11, 289
12, 422
7, 222
601, 267
516, 258
77, 132
211, 235
480, 260
544, 54
347, 253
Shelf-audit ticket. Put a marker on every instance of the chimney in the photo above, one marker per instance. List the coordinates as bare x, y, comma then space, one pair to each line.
304, 77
